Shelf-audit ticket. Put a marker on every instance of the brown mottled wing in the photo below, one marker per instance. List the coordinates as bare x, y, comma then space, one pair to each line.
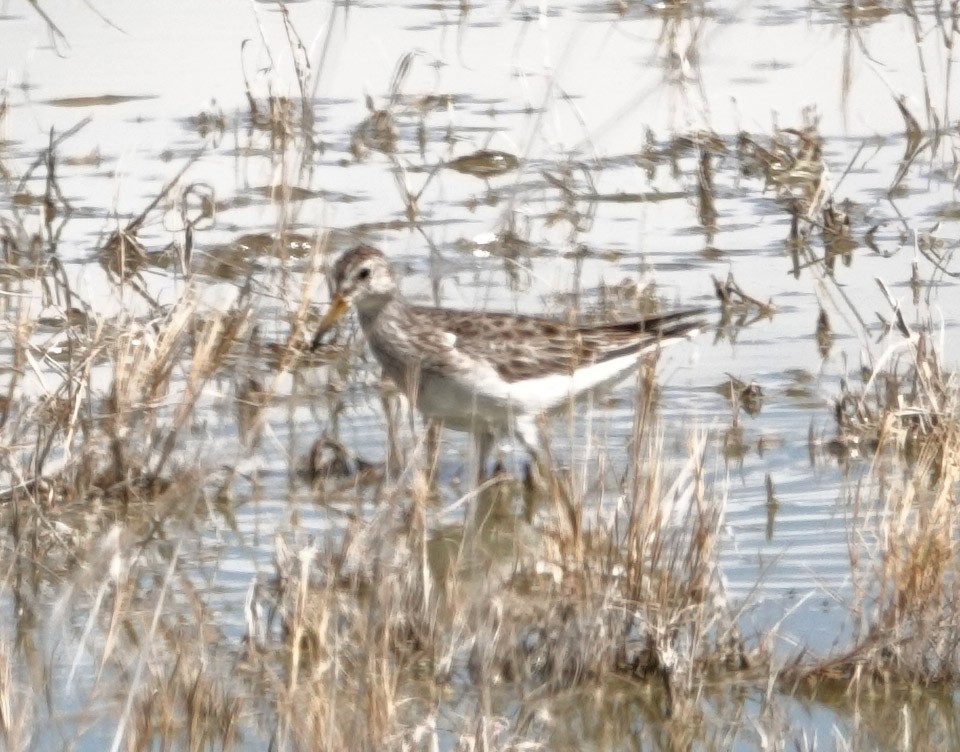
523, 347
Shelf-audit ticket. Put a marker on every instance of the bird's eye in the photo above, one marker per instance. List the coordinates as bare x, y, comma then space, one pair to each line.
363, 273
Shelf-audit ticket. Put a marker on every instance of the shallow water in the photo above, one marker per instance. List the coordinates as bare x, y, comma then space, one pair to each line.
572, 89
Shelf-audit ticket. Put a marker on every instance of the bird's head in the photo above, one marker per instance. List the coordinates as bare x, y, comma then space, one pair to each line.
361, 278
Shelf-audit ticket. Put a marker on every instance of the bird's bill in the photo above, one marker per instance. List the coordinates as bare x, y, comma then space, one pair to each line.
338, 307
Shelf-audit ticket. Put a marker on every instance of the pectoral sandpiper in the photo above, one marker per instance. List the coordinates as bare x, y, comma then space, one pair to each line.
492, 374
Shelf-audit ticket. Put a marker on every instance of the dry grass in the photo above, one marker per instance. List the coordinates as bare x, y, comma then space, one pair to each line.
905, 554
398, 611
529, 621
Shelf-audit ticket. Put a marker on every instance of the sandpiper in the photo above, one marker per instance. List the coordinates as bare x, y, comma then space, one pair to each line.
492, 374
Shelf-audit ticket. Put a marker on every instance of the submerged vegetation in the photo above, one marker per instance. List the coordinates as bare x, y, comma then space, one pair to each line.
389, 604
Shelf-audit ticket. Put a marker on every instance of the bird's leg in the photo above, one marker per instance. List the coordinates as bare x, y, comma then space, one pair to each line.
543, 480
434, 427
484, 443
535, 485
527, 429
391, 410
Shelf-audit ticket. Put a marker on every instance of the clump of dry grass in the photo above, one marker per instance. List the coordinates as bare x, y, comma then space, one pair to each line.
366, 628
906, 551
97, 489
907, 612
908, 402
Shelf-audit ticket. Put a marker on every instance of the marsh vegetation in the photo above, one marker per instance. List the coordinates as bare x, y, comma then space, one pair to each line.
214, 537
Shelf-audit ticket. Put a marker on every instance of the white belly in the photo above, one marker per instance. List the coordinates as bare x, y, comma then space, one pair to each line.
464, 408
488, 403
